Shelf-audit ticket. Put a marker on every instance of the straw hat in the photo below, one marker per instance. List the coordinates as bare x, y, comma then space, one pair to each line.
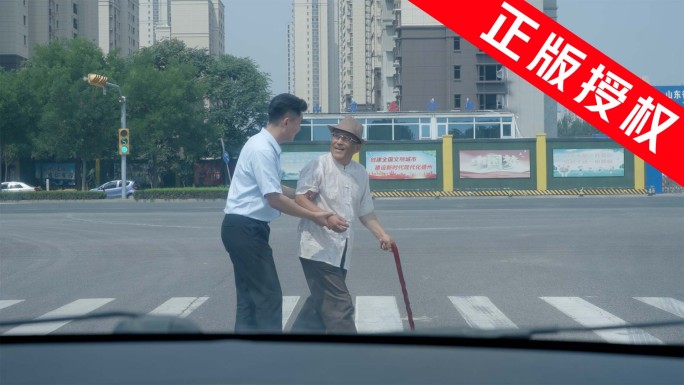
350, 125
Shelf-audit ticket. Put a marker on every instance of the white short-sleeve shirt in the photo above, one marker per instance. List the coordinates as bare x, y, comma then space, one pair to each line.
342, 189
257, 173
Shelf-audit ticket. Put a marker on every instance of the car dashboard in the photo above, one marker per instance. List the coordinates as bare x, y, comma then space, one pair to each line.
326, 359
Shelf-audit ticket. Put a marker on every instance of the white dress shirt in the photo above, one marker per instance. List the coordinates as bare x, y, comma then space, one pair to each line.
257, 173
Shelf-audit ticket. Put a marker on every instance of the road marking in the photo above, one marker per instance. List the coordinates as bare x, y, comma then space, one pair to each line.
480, 313
9, 302
377, 314
670, 305
590, 315
71, 217
289, 304
462, 228
179, 306
74, 309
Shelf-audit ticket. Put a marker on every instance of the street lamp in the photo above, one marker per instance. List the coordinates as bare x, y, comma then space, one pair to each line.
101, 81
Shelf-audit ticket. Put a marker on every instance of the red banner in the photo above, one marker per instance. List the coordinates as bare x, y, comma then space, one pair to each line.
572, 72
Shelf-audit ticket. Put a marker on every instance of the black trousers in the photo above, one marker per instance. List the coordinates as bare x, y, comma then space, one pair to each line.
329, 308
259, 296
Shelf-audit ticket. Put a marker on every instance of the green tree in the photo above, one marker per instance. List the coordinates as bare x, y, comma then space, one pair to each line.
167, 114
173, 51
238, 95
180, 103
14, 125
75, 120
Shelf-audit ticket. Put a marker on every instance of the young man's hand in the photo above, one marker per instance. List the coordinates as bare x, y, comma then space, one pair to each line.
337, 224
321, 217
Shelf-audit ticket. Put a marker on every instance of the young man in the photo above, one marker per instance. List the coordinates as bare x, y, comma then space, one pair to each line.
333, 182
255, 198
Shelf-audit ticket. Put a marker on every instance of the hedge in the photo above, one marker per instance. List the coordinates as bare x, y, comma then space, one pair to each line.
200, 193
52, 195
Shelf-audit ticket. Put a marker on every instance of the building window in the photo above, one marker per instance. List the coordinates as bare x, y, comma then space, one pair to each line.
457, 43
24, 19
75, 9
490, 101
24, 40
457, 101
457, 72
487, 128
492, 72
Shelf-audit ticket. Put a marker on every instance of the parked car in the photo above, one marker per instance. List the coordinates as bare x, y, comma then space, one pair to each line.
113, 188
17, 187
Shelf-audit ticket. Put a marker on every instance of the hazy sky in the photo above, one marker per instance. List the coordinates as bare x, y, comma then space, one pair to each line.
644, 36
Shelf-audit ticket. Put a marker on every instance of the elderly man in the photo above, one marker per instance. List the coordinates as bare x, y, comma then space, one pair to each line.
333, 183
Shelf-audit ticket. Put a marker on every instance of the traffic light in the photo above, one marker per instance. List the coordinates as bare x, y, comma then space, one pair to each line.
124, 142
97, 80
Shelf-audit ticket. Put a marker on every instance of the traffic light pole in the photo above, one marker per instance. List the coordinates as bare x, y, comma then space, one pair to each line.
101, 81
122, 100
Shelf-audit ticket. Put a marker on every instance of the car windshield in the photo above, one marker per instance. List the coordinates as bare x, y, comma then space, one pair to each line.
459, 201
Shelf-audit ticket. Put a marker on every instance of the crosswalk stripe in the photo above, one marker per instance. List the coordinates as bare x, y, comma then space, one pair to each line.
669, 305
590, 315
480, 313
73, 309
9, 302
179, 306
377, 314
289, 304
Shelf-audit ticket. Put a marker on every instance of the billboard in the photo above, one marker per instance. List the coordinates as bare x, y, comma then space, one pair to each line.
60, 174
401, 164
293, 162
494, 164
583, 162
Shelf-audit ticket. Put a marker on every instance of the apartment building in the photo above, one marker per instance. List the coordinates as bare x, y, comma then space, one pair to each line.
383, 34
313, 66
111, 24
122, 25
438, 70
197, 23
155, 21
14, 33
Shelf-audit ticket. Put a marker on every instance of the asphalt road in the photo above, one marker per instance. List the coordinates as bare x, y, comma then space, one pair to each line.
468, 262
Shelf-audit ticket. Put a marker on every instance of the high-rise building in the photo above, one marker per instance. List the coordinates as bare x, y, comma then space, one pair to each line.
354, 32
312, 54
111, 24
155, 21
382, 52
438, 70
14, 33
197, 23
339, 53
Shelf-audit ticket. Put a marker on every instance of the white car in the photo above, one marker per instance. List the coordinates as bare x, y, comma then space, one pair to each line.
17, 187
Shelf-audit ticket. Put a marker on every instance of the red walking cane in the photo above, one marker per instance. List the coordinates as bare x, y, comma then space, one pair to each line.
403, 286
